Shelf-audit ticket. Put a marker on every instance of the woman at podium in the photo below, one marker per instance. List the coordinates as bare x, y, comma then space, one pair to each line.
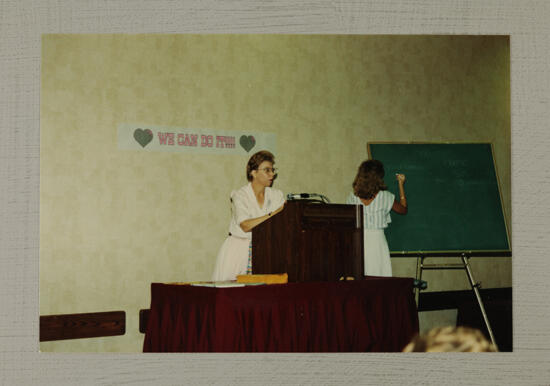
250, 206
370, 191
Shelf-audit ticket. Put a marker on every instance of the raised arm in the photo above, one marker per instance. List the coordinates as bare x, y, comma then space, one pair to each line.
401, 205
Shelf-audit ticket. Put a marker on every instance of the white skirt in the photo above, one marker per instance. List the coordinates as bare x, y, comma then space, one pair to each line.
232, 259
376, 252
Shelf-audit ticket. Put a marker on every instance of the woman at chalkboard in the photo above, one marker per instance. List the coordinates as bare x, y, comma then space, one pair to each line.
370, 191
251, 205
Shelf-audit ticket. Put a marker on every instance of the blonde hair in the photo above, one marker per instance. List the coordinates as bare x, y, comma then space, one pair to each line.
448, 339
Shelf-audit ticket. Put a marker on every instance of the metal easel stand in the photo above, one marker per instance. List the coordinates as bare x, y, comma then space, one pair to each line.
420, 267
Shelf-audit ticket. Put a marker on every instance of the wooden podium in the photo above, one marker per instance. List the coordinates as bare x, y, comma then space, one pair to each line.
310, 241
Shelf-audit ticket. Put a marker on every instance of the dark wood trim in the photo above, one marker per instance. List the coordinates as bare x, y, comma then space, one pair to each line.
444, 300
86, 325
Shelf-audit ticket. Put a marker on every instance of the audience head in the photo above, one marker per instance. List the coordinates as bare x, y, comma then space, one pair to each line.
450, 339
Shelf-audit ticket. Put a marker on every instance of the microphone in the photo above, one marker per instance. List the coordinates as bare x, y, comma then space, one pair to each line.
300, 196
296, 196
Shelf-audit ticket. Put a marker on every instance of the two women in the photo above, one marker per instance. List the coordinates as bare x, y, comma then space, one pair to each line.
257, 201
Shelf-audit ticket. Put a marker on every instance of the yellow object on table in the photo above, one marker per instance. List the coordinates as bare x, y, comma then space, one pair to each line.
273, 278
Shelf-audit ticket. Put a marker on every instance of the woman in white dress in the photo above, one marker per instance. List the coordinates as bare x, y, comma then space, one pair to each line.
251, 205
370, 191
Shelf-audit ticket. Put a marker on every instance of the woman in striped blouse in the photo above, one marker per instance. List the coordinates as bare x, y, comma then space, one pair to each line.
370, 191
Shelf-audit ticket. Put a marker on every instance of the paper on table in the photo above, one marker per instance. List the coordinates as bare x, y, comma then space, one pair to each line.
219, 284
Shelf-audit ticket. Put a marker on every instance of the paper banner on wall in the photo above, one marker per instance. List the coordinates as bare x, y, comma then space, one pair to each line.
150, 138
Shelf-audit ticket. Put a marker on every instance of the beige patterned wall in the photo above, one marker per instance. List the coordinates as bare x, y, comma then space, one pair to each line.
113, 221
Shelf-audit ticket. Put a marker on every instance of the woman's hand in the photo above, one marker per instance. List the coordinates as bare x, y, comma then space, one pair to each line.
279, 209
247, 225
400, 178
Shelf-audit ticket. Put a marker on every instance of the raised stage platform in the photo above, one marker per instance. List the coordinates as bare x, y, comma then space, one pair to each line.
371, 315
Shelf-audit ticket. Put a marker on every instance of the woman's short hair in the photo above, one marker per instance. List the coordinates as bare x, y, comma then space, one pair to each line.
450, 338
255, 161
369, 179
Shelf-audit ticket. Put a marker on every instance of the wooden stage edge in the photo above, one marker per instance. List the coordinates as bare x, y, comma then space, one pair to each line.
112, 323
85, 325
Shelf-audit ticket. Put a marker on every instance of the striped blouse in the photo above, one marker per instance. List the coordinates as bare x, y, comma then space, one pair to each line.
376, 215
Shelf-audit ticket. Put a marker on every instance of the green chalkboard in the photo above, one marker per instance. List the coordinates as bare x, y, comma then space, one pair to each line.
452, 194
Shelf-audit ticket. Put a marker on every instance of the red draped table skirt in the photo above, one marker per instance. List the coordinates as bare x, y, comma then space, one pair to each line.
375, 314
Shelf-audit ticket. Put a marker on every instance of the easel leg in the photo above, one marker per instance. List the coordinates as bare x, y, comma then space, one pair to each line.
478, 296
419, 264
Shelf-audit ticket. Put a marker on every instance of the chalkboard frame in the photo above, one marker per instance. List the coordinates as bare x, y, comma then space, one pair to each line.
454, 253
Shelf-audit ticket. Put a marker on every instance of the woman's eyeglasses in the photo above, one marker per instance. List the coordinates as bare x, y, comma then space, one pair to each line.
269, 170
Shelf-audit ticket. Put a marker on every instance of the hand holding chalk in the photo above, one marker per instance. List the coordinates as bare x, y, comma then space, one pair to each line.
400, 177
